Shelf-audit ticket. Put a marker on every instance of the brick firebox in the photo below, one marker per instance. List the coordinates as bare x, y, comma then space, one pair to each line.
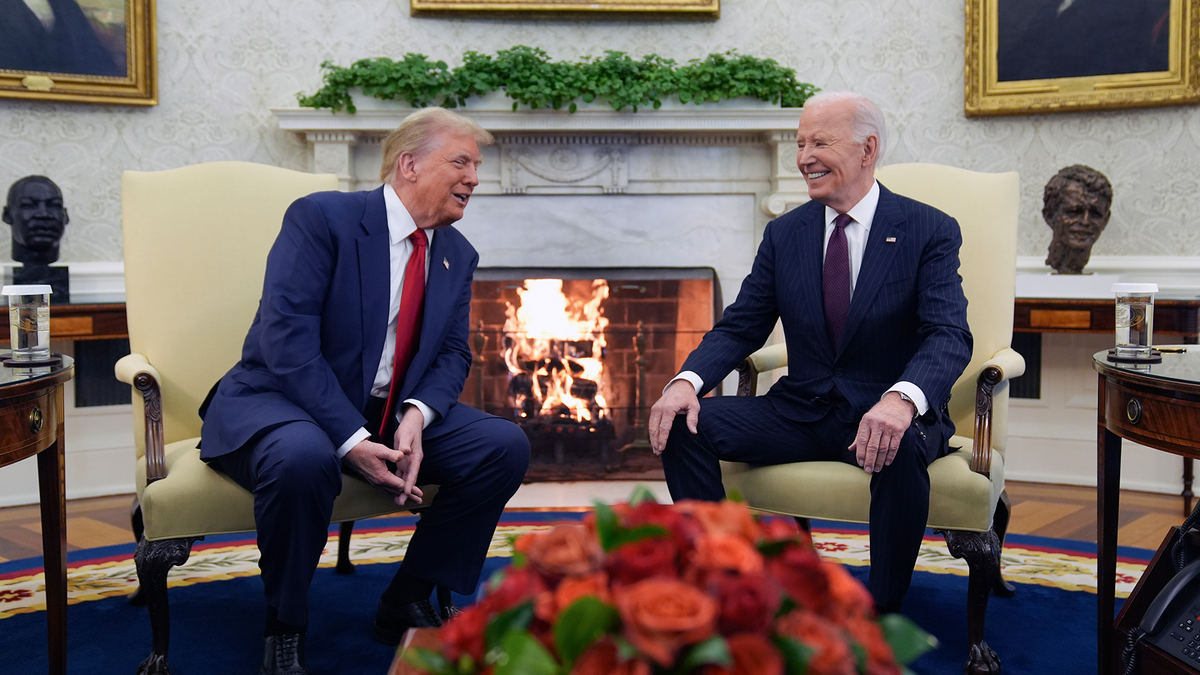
675, 307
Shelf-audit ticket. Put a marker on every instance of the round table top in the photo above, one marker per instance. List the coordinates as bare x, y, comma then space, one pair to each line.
1182, 367
14, 376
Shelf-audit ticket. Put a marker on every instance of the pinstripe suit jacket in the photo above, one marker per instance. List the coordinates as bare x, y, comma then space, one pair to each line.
907, 318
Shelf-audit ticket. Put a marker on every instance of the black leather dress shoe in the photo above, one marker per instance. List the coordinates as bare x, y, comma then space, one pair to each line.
284, 655
392, 622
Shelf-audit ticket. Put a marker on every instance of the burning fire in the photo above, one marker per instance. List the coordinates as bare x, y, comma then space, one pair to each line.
553, 346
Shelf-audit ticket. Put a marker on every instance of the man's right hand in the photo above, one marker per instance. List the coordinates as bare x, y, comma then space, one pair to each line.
370, 461
679, 397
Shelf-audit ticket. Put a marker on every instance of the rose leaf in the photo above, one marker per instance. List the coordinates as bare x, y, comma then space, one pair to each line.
524, 655
714, 650
795, 654
907, 640
641, 493
429, 661
580, 624
514, 620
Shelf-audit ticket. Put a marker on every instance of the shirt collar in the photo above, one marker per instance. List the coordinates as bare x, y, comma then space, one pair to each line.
400, 222
863, 212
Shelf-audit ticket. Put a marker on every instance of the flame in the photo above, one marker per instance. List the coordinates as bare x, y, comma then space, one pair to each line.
558, 343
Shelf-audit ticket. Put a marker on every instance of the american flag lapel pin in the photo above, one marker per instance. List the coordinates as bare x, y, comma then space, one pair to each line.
890, 240
446, 263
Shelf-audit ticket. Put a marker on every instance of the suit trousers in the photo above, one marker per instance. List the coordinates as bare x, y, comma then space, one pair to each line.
295, 475
750, 430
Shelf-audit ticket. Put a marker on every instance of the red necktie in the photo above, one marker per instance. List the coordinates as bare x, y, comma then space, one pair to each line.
835, 281
408, 325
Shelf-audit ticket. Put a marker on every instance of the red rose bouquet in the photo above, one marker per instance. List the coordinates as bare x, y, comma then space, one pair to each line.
691, 588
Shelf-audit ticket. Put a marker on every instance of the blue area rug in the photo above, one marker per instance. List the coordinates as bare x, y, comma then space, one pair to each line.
217, 607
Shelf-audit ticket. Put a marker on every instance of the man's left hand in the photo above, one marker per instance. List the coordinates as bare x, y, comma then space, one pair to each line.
880, 431
408, 443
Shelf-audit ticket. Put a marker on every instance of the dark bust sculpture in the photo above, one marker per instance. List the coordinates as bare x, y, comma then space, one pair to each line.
36, 213
1076, 205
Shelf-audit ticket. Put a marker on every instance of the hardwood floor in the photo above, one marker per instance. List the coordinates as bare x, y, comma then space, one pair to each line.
1057, 511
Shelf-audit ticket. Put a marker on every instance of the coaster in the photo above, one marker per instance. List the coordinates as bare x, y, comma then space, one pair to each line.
1155, 357
54, 360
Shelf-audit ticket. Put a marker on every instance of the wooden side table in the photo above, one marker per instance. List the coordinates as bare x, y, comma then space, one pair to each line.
1157, 406
31, 423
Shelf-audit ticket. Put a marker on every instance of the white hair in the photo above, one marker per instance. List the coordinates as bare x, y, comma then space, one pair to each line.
868, 118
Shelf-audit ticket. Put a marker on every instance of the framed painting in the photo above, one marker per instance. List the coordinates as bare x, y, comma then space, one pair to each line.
710, 8
1043, 56
95, 51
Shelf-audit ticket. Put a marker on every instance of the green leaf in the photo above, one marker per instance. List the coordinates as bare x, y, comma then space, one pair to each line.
430, 661
714, 650
795, 654
612, 536
907, 640
580, 625
641, 493
524, 655
514, 620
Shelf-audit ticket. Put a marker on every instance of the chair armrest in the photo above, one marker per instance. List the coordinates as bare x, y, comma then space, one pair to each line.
134, 369
1003, 366
761, 361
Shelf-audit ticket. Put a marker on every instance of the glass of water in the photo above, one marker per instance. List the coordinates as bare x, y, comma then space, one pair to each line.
1135, 319
29, 321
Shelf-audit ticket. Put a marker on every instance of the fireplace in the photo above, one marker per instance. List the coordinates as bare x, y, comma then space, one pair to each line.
576, 357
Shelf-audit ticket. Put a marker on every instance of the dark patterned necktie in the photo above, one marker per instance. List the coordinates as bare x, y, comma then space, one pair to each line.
835, 281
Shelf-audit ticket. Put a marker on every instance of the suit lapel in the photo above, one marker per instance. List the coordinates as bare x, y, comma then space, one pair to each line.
375, 284
440, 291
877, 259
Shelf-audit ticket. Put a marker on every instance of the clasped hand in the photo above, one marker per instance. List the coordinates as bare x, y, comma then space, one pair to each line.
370, 459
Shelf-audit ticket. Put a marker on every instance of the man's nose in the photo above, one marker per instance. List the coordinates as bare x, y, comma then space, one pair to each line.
472, 177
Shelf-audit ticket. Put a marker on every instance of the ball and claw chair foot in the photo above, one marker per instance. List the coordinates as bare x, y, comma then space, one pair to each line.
982, 661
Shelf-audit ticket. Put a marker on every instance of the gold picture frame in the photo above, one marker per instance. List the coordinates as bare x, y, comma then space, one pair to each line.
1023, 61
130, 77
705, 8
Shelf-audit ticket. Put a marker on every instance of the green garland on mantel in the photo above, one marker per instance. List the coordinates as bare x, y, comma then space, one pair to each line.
528, 76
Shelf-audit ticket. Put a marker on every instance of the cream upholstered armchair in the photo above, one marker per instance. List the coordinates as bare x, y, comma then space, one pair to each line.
196, 242
967, 501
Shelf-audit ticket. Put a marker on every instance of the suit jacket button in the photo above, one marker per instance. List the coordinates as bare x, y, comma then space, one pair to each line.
820, 400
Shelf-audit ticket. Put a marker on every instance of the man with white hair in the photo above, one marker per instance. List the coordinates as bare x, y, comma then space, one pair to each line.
866, 285
355, 362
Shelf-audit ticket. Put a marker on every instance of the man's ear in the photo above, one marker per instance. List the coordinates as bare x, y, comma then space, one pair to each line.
870, 150
406, 166
6, 216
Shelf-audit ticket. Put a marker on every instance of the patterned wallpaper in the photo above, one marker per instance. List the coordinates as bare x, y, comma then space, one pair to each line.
224, 63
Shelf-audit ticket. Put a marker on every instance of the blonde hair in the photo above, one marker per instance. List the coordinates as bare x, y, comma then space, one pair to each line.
418, 131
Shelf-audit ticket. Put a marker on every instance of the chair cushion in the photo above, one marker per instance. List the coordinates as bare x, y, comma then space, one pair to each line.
194, 500
959, 499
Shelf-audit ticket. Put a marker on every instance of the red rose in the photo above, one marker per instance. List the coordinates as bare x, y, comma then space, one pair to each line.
683, 530
866, 632
726, 552
569, 549
775, 529
798, 570
548, 605
659, 616
748, 603
653, 556
601, 659
723, 518
831, 654
848, 597
464, 634
516, 586
751, 655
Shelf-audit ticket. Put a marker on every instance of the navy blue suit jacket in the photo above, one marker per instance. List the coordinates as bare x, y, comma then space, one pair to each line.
315, 344
907, 318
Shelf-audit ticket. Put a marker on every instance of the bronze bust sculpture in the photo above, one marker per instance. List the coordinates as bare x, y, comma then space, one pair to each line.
1076, 205
38, 218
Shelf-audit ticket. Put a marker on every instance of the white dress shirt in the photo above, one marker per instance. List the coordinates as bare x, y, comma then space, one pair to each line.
857, 232
400, 226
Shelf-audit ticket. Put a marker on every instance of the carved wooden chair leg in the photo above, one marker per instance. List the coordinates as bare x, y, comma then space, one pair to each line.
345, 530
803, 524
981, 550
137, 598
154, 559
1002, 588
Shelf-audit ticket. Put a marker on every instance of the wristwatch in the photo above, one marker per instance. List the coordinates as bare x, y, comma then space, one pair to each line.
907, 399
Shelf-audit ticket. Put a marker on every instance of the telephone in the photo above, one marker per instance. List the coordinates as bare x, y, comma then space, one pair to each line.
1172, 622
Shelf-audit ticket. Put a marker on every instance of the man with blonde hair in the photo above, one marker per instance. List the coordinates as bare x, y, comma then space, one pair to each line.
355, 362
